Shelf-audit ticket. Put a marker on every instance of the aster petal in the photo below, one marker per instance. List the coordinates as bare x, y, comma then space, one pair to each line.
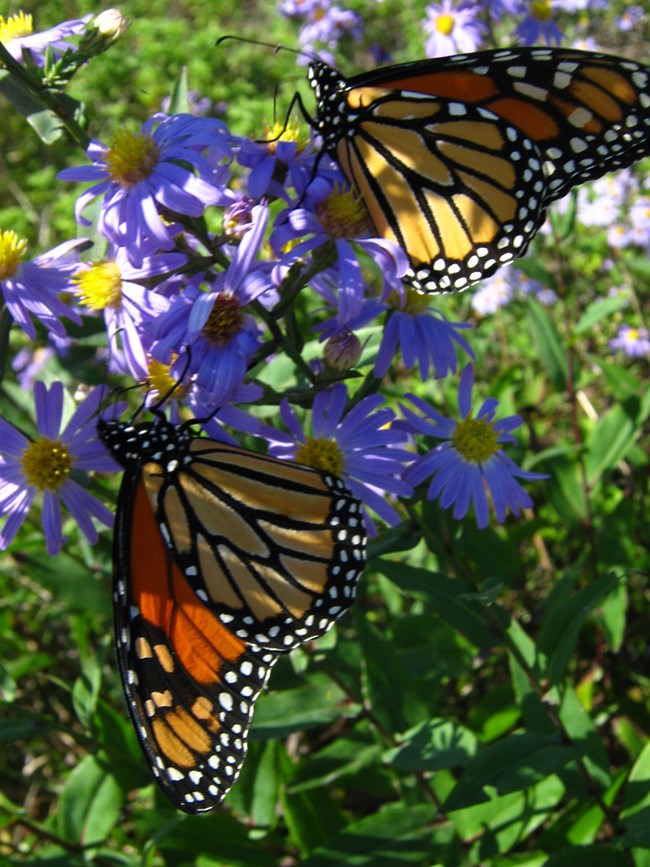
82, 505
18, 509
52, 525
327, 410
465, 390
12, 442
49, 408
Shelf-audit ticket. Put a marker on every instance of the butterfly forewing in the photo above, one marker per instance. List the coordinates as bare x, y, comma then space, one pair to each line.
274, 548
576, 115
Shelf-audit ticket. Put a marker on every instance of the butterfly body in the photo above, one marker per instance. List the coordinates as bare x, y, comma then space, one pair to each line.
457, 158
223, 559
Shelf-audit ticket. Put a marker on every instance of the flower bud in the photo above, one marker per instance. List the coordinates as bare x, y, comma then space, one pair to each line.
342, 352
100, 33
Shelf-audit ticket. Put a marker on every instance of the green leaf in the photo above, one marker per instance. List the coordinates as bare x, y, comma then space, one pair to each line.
549, 344
510, 765
312, 817
43, 121
433, 745
449, 598
584, 738
598, 855
90, 804
562, 623
383, 677
85, 692
319, 702
609, 441
396, 834
599, 310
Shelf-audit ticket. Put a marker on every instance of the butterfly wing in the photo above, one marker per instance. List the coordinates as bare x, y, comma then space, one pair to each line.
190, 683
272, 548
581, 113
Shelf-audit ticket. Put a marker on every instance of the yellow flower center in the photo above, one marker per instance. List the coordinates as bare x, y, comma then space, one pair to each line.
15, 27
342, 215
225, 320
161, 382
541, 9
12, 249
131, 157
322, 454
475, 440
445, 24
100, 286
46, 463
292, 131
414, 302
632, 334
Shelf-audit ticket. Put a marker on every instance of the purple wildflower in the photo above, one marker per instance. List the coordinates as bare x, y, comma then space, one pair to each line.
539, 25
161, 167
361, 447
46, 465
634, 342
470, 465
423, 336
17, 36
222, 338
453, 28
33, 289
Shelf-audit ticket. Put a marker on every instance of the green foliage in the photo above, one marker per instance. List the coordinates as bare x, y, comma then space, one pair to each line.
487, 702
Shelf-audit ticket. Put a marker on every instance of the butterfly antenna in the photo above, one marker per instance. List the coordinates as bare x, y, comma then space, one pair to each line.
274, 47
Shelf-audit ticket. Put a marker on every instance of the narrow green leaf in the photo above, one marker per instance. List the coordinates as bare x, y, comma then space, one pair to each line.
598, 855
510, 765
599, 310
562, 623
585, 739
383, 677
611, 438
90, 804
449, 598
433, 745
548, 343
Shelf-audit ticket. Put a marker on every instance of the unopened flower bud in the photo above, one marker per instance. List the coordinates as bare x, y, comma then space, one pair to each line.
105, 29
341, 353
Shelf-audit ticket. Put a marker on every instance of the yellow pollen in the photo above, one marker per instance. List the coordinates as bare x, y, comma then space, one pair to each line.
541, 9
322, 454
100, 286
414, 302
160, 380
632, 334
475, 440
131, 157
15, 27
342, 215
46, 463
291, 131
445, 24
225, 320
12, 250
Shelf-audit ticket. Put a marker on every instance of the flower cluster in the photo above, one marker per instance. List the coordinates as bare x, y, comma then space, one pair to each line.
223, 261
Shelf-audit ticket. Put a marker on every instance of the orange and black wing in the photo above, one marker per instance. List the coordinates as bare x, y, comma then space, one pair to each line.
190, 683
457, 157
272, 548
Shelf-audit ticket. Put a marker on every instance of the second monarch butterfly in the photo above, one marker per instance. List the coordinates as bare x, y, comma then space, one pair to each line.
223, 560
457, 158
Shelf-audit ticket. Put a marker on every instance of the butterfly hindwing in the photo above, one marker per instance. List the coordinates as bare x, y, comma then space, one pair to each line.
576, 115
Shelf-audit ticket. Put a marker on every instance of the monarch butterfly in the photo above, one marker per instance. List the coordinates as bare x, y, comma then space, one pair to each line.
457, 158
223, 559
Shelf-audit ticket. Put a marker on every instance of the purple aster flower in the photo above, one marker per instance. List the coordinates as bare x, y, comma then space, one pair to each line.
360, 446
423, 336
495, 292
470, 465
47, 465
222, 338
285, 159
327, 25
33, 289
352, 307
330, 215
140, 174
453, 28
113, 286
634, 342
17, 36
539, 25
630, 18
